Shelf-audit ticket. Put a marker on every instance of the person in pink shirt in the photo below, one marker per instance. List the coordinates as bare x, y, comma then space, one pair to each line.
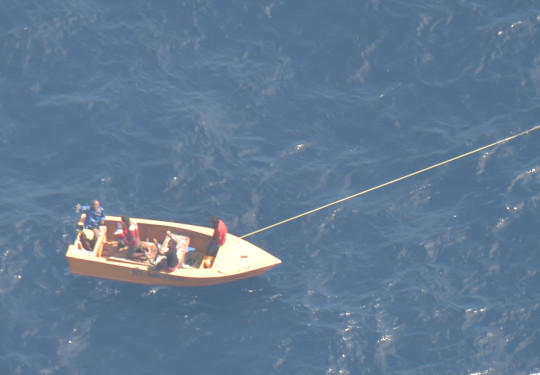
219, 237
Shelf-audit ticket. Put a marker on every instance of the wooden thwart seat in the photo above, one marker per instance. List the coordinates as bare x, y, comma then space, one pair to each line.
98, 247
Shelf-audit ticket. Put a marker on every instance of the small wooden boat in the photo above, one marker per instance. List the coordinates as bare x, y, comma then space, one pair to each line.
237, 259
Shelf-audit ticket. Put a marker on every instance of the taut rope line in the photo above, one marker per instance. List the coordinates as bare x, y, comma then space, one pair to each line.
396, 180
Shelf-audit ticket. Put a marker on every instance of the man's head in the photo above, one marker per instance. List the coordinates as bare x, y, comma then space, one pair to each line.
214, 220
172, 245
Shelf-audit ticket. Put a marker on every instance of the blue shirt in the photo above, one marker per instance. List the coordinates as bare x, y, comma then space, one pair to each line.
93, 217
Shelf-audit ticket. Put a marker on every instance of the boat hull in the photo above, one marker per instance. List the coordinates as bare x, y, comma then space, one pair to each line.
236, 260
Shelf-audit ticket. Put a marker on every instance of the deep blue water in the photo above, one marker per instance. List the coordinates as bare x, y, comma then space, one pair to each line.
259, 111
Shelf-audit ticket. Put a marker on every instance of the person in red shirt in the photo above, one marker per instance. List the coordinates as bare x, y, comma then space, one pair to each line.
219, 237
129, 239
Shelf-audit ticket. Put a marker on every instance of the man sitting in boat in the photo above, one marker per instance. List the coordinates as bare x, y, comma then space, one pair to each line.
219, 237
88, 239
128, 239
170, 260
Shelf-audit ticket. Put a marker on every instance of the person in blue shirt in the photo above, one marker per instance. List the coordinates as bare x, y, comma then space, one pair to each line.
95, 216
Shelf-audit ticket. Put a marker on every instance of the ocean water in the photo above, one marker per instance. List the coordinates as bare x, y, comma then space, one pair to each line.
259, 111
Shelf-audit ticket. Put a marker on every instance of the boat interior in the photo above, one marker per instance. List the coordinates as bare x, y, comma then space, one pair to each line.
190, 246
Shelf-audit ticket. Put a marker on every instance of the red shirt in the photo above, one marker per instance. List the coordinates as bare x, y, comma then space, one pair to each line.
220, 233
133, 235
130, 235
